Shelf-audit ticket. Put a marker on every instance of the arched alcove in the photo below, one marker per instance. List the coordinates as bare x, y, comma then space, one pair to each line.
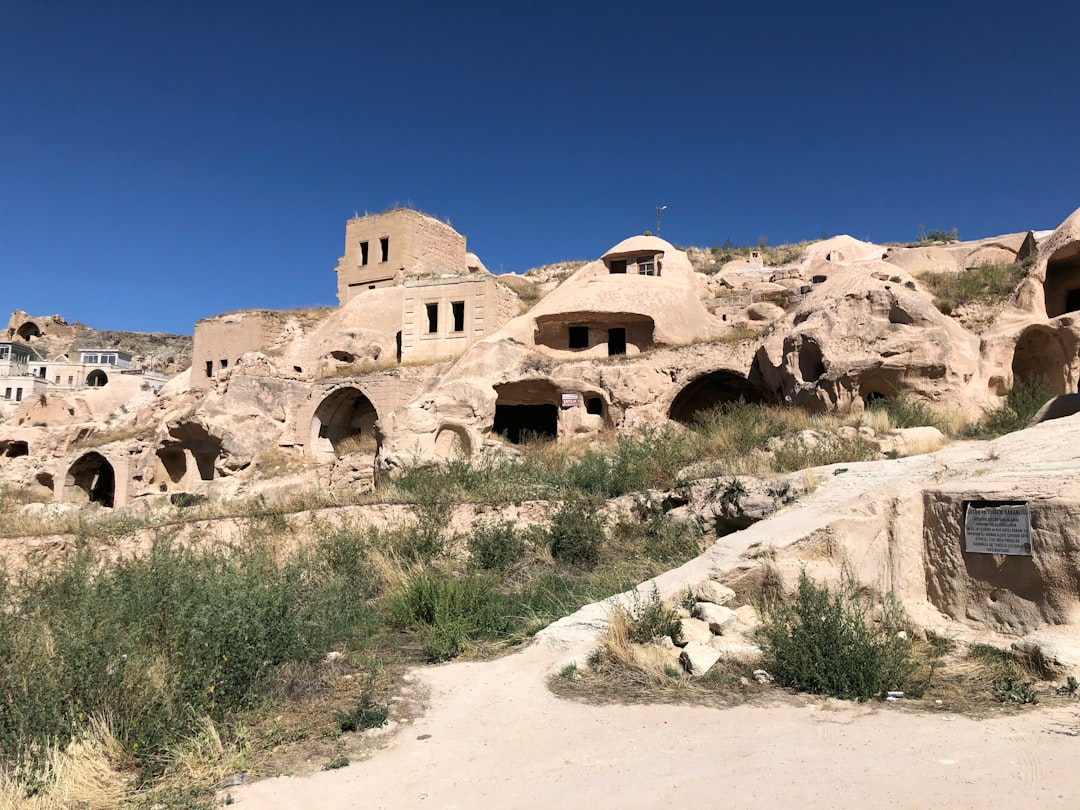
97, 378
1039, 355
711, 391
91, 479
341, 420
1061, 290
28, 331
452, 442
191, 454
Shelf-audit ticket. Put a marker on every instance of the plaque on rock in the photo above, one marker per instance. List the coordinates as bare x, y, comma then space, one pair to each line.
997, 527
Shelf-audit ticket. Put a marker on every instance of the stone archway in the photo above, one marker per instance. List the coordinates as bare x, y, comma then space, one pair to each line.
97, 378
712, 390
28, 331
344, 423
91, 479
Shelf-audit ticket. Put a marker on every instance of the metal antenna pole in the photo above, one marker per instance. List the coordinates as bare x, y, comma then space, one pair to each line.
659, 209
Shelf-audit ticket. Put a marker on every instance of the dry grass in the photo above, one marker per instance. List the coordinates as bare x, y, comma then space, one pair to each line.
92, 772
202, 758
276, 461
527, 291
98, 438
360, 443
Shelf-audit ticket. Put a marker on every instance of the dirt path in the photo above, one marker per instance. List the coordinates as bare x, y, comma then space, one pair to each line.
496, 737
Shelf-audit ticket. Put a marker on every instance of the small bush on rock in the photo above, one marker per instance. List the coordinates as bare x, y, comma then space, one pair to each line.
824, 642
650, 619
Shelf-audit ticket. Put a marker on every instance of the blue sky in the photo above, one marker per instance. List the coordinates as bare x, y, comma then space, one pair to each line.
161, 163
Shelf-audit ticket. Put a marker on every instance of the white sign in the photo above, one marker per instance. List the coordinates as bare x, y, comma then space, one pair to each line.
998, 529
570, 400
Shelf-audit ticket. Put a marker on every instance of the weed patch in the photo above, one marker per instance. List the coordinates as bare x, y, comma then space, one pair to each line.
988, 284
824, 643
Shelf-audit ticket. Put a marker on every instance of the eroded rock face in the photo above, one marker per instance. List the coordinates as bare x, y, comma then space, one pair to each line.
1011, 594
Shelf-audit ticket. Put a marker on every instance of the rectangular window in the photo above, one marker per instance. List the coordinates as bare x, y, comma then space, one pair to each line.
363, 253
645, 266
41, 372
618, 265
209, 368
224, 362
7, 393
458, 310
57, 379
71, 381
384, 246
579, 337
4, 350
18, 395
432, 318
616, 341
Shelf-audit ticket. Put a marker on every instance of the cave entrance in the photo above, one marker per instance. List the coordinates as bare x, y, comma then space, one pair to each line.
344, 423
523, 423
93, 478
1062, 286
526, 411
1039, 355
709, 391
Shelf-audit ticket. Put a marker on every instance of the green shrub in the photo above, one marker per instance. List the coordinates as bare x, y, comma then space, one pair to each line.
495, 546
651, 533
576, 534
989, 284
651, 619
906, 412
824, 642
796, 455
450, 612
367, 714
1009, 690
1022, 402
156, 642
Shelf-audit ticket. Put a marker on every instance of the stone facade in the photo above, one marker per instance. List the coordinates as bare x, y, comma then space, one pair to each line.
381, 250
442, 317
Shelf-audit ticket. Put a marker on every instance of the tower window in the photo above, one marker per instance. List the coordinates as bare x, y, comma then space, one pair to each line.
432, 318
458, 310
384, 247
363, 253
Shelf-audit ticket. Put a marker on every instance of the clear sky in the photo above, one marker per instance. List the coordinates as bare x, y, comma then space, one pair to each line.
164, 162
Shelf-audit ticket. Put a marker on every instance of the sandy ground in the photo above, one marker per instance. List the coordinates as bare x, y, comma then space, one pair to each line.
494, 736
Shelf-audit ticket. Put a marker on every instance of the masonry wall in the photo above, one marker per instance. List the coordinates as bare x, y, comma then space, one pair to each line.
485, 310
220, 341
415, 244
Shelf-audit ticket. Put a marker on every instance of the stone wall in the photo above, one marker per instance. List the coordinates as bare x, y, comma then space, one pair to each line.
383, 249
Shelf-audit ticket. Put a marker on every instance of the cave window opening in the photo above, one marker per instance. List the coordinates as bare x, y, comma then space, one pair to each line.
520, 424
616, 341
